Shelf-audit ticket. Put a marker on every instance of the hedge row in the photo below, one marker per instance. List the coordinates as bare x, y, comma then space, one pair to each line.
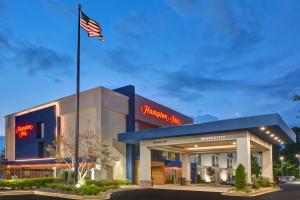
83, 190
115, 183
261, 182
27, 183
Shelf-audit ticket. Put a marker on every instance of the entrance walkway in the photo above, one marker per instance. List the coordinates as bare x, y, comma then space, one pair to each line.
194, 187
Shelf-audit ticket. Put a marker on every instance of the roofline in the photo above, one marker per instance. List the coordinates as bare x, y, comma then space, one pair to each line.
235, 124
50, 103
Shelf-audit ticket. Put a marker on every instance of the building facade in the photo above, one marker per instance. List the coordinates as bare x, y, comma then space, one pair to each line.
153, 143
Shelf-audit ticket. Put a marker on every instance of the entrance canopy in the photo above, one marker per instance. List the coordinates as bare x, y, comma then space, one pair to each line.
270, 128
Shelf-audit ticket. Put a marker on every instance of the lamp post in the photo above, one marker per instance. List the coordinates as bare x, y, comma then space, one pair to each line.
298, 156
281, 159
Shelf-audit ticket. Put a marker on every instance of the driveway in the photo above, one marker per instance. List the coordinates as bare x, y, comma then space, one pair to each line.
290, 191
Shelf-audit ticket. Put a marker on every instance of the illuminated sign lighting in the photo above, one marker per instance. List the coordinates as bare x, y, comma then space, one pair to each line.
24, 130
147, 110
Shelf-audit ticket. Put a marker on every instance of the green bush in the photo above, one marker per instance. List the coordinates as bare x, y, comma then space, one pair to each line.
83, 190
114, 183
264, 182
261, 182
240, 181
255, 183
27, 183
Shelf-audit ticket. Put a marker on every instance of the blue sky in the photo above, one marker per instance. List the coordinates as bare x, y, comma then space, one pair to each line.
210, 59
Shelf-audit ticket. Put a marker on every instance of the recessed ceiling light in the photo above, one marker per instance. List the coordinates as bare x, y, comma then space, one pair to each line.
268, 132
234, 143
272, 135
262, 128
276, 138
279, 140
196, 146
281, 143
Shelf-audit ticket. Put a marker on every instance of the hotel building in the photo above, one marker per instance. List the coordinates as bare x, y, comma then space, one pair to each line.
153, 143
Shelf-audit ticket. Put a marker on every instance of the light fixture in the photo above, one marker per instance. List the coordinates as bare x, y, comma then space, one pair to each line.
281, 158
281, 142
211, 147
234, 143
262, 128
272, 135
268, 132
195, 145
275, 138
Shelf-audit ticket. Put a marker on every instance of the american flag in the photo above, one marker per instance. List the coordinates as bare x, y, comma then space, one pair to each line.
92, 27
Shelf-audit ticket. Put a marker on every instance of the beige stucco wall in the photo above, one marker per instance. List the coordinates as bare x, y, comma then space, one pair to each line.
101, 110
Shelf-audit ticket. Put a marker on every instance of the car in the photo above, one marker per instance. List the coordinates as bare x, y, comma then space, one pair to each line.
228, 182
281, 179
290, 178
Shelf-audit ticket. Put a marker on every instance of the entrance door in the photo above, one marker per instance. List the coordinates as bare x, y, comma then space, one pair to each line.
173, 176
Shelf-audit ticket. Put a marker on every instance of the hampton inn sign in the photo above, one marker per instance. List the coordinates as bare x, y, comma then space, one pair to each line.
24, 130
148, 110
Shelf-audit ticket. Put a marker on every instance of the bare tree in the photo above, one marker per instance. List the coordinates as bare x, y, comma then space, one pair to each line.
92, 152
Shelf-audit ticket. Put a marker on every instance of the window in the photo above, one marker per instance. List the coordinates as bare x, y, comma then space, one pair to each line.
58, 127
229, 162
40, 130
41, 149
215, 160
171, 156
199, 159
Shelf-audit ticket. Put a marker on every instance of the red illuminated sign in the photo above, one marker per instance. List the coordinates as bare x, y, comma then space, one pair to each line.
24, 130
147, 110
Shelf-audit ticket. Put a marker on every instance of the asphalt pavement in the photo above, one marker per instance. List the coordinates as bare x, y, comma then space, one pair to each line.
290, 191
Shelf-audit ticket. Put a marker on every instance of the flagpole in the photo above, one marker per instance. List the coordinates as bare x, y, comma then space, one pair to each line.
77, 100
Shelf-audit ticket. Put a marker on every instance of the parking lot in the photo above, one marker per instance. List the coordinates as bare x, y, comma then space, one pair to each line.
290, 191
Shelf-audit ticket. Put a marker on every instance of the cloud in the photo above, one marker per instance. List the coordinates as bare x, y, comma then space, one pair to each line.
185, 85
205, 118
32, 58
186, 8
37, 59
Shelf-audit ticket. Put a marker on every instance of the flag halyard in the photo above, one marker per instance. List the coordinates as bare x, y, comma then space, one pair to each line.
92, 27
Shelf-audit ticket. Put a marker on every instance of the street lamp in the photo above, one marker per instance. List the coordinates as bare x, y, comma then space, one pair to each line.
298, 156
281, 159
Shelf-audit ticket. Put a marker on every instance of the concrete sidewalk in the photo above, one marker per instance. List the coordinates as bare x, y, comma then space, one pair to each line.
196, 187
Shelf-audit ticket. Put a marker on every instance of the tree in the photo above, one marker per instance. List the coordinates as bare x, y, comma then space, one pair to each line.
91, 153
255, 168
240, 180
296, 97
210, 172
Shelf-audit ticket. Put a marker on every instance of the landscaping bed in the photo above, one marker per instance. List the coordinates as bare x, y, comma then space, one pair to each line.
58, 185
250, 191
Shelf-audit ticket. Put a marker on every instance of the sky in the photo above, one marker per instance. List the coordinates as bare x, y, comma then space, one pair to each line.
209, 59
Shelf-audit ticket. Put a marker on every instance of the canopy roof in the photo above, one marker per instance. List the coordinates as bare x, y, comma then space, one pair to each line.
272, 124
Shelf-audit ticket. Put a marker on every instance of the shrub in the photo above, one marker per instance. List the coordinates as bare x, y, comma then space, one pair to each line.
83, 190
27, 183
256, 183
240, 182
114, 183
265, 182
